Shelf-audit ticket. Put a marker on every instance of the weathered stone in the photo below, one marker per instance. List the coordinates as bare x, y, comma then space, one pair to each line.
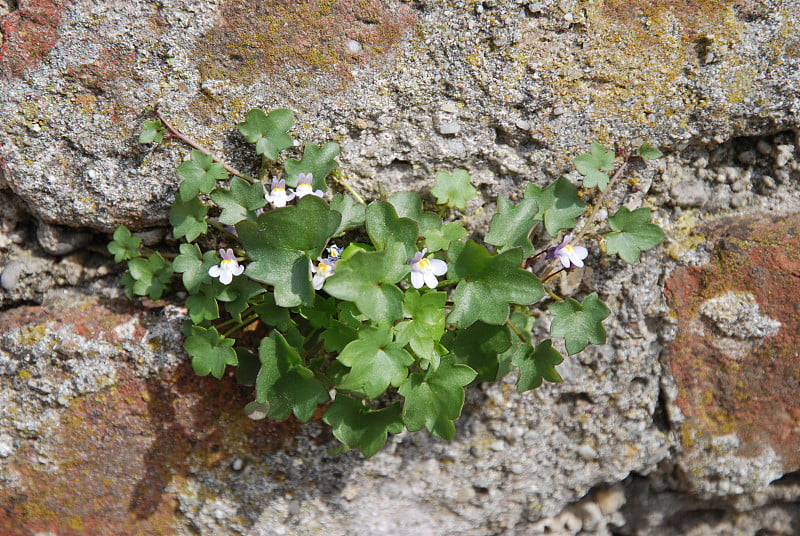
735, 367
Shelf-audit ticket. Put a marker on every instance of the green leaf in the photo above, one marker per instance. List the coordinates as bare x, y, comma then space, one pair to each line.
210, 351
272, 314
488, 284
281, 244
435, 399
648, 152
199, 174
409, 205
633, 234
151, 275
338, 335
479, 346
194, 266
284, 383
357, 426
247, 367
579, 323
240, 202
353, 213
367, 279
559, 205
375, 362
202, 305
511, 226
268, 132
237, 294
426, 324
319, 161
124, 246
188, 219
439, 238
535, 365
384, 227
592, 166
153, 132
453, 189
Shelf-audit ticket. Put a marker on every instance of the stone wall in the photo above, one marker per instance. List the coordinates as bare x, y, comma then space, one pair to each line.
685, 423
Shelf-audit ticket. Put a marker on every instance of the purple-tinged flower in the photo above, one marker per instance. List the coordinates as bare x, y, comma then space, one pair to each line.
322, 271
424, 271
278, 195
568, 254
304, 186
334, 252
226, 269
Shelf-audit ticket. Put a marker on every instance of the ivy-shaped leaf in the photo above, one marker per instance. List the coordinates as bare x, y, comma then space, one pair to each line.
384, 227
194, 266
409, 205
453, 189
479, 346
536, 365
319, 161
426, 324
188, 219
435, 399
358, 426
237, 295
268, 132
272, 314
368, 278
124, 246
593, 166
579, 323
488, 284
633, 233
440, 238
281, 244
202, 304
353, 213
151, 275
284, 383
240, 201
199, 174
153, 132
511, 226
210, 351
559, 205
648, 152
375, 362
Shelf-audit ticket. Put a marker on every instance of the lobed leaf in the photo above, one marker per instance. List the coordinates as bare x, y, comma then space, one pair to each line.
426, 321
319, 161
353, 214
479, 346
240, 201
268, 132
151, 275
124, 246
385, 227
210, 351
536, 365
284, 383
511, 226
194, 266
593, 166
188, 219
579, 323
453, 189
358, 426
488, 284
559, 205
199, 174
375, 362
633, 233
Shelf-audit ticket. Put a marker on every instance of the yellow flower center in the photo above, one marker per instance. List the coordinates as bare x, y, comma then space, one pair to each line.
423, 264
568, 248
323, 268
226, 263
276, 190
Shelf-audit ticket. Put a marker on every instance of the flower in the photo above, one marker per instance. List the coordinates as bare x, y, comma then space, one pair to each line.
334, 252
568, 254
304, 186
322, 271
226, 269
424, 271
278, 196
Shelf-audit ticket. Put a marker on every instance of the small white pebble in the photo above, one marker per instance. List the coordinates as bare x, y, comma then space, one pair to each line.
237, 464
353, 46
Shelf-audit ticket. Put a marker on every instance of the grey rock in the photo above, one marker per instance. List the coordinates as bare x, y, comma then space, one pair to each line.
57, 240
9, 277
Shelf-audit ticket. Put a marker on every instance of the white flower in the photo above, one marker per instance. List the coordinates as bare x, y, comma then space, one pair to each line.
278, 196
424, 271
334, 252
226, 269
322, 271
304, 186
568, 254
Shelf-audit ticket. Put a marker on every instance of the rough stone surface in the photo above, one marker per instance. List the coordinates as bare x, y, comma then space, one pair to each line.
685, 422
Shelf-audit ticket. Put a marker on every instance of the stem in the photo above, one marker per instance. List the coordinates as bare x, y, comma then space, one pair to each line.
243, 324
515, 330
553, 294
175, 133
546, 279
314, 349
349, 189
599, 202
